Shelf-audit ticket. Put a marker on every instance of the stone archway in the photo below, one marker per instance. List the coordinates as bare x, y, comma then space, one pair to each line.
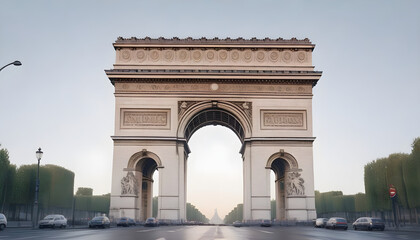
288, 183
166, 89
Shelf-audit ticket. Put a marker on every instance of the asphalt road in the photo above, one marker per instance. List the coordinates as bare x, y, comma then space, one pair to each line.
202, 233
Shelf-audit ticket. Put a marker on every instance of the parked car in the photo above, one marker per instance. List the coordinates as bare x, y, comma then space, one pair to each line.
321, 222
3, 221
53, 221
100, 221
123, 222
265, 223
336, 222
131, 222
151, 222
237, 224
368, 223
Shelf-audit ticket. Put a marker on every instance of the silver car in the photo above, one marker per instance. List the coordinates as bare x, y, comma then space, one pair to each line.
3, 221
53, 221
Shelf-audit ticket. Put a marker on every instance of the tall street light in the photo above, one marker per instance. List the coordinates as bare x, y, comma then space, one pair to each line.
16, 63
35, 214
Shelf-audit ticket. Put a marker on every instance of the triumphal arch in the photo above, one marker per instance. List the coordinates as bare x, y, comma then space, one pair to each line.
166, 89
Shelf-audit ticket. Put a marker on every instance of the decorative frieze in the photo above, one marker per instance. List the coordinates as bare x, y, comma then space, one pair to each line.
145, 118
213, 56
209, 88
283, 119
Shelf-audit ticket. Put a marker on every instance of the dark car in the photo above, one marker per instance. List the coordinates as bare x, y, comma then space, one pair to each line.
265, 223
124, 221
337, 223
151, 222
368, 223
237, 224
131, 222
321, 222
100, 221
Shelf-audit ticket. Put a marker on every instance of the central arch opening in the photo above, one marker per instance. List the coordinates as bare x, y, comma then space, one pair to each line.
215, 168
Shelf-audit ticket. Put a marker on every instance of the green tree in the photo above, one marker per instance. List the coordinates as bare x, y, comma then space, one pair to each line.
81, 191
193, 214
7, 176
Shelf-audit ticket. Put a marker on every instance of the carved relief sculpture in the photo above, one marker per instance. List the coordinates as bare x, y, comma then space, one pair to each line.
129, 184
295, 185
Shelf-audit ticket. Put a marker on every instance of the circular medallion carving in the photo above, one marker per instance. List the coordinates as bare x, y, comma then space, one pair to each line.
183, 55
235, 55
214, 86
196, 55
247, 56
223, 54
210, 55
274, 56
260, 56
141, 55
125, 55
287, 56
154, 55
301, 56
169, 55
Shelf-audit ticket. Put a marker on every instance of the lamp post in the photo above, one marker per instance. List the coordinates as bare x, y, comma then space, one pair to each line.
16, 63
35, 213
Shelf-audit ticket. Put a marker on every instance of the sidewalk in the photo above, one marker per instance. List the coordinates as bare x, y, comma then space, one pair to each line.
28, 224
406, 228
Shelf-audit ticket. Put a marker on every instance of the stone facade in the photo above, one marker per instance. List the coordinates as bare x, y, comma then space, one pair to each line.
166, 89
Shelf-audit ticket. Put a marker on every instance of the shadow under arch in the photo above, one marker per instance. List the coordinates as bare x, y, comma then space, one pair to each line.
287, 157
214, 113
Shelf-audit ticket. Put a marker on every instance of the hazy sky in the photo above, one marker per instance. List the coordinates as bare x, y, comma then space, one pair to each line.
365, 106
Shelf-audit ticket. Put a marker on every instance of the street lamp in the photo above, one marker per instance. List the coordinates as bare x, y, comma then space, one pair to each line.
16, 63
35, 213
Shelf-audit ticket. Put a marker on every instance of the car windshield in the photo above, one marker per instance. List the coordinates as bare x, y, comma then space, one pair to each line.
49, 218
341, 220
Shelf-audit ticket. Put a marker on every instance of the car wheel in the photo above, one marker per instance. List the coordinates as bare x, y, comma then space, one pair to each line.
53, 226
333, 227
345, 228
2, 226
369, 228
355, 228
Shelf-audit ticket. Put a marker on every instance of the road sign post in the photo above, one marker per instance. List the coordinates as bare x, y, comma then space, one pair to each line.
393, 195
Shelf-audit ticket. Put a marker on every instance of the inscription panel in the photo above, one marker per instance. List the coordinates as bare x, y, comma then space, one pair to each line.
145, 118
283, 119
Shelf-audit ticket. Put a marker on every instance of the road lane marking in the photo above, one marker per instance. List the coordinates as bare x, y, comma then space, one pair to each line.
146, 230
26, 237
265, 231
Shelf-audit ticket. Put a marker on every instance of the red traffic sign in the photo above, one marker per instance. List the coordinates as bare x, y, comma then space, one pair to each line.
392, 191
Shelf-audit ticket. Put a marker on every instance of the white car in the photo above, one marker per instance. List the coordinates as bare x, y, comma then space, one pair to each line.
3, 221
53, 221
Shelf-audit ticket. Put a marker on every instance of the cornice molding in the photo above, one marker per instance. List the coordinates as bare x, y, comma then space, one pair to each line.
212, 41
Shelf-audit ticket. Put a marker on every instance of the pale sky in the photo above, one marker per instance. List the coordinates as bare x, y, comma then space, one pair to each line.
365, 106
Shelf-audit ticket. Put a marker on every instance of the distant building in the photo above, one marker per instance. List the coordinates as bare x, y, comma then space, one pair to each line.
216, 219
